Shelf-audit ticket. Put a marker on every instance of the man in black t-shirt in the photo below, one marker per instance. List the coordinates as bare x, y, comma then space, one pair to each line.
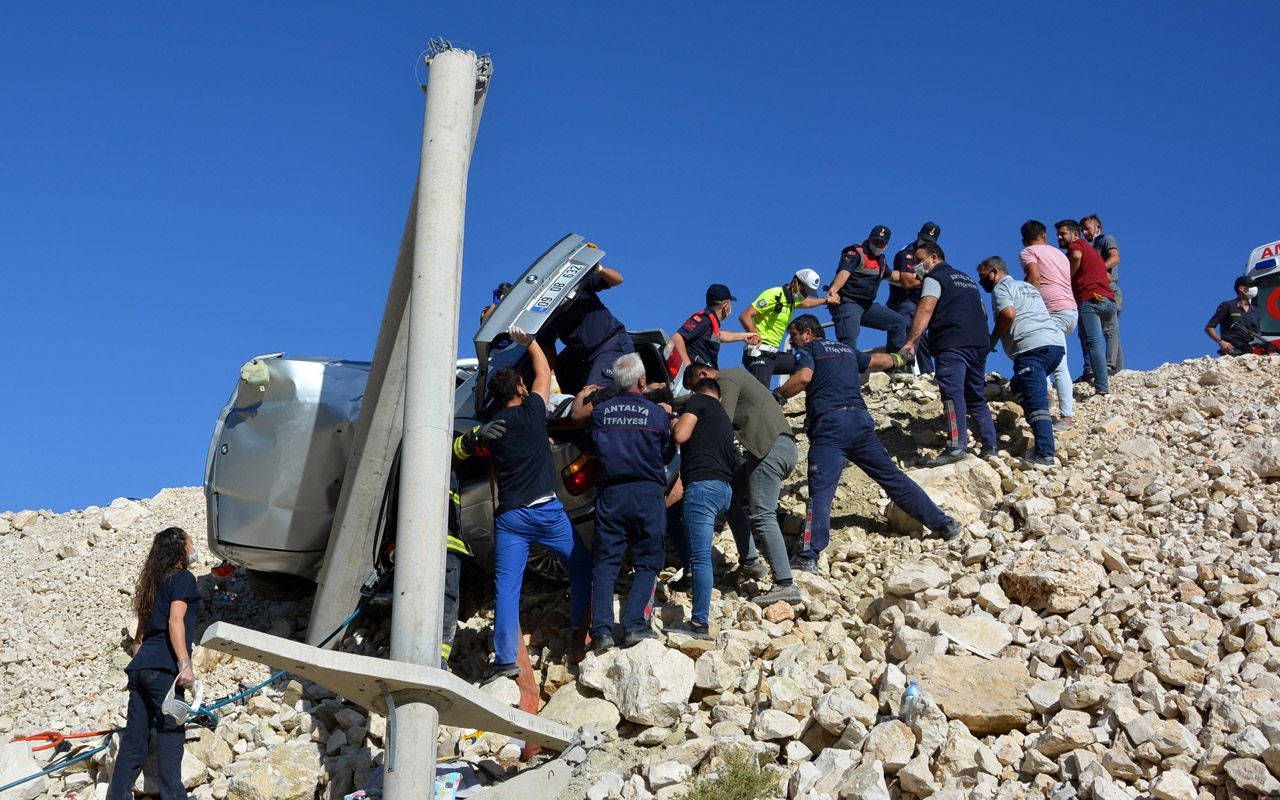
708, 459
528, 510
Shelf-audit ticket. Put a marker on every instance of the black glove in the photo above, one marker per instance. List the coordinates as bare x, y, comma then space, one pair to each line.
899, 360
780, 397
487, 433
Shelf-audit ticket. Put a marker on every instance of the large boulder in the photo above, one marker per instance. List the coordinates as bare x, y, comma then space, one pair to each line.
1058, 583
122, 514
981, 633
16, 762
987, 695
576, 708
964, 490
292, 771
1260, 456
649, 683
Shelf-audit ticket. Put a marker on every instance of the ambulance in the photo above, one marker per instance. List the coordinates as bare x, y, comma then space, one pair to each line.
1263, 271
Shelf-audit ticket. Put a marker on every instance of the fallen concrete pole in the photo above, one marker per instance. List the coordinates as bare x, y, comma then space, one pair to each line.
361, 680
428, 408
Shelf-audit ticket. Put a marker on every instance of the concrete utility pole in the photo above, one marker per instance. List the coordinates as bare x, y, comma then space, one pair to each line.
428, 409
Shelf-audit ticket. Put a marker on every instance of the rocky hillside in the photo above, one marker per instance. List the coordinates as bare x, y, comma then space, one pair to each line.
1105, 629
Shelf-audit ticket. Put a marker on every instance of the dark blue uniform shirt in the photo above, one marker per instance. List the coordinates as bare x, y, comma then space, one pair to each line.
904, 261
701, 334
156, 651
631, 434
586, 323
836, 381
865, 273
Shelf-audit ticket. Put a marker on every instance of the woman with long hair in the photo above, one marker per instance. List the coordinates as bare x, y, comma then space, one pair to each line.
166, 601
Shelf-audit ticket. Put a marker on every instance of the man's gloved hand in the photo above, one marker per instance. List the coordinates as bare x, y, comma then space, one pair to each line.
899, 360
487, 433
780, 397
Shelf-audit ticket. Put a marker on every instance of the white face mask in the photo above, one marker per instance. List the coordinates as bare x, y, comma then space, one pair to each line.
1251, 292
194, 555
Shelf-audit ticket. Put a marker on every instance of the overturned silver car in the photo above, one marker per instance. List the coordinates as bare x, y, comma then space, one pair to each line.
278, 456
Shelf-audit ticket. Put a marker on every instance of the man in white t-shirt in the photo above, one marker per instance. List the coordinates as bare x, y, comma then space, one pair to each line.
1047, 269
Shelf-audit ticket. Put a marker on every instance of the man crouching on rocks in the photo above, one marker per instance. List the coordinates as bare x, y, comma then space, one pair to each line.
840, 427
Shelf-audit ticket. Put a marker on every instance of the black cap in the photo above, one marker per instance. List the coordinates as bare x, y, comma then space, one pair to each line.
718, 293
929, 232
880, 232
1241, 281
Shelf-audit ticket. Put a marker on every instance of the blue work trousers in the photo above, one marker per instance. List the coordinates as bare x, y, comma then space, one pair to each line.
1095, 316
924, 358
849, 433
147, 689
1031, 370
546, 525
704, 502
851, 317
962, 381
632, 513
576, 368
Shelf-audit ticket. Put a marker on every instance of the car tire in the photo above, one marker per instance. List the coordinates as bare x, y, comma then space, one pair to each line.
543, 563
279, 586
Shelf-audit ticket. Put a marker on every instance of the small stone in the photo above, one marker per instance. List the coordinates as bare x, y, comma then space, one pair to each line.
780, 611
1173, 784
913, 578
772, 724
891, 743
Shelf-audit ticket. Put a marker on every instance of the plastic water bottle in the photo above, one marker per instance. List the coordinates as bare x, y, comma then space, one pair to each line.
912, 703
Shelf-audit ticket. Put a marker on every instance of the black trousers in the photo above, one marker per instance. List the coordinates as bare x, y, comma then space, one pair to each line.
765, 365
147, 688
449, 617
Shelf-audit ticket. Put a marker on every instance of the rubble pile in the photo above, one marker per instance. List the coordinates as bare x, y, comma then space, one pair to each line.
1106, 629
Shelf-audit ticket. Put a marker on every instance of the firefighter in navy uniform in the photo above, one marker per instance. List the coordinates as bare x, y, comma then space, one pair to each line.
839, 429
952, 312
631, 436
904, 296
853, 292
456, 546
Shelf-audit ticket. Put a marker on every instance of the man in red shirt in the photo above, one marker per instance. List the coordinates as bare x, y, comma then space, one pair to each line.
1091, 285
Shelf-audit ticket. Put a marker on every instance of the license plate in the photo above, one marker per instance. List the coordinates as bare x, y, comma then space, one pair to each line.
561, 283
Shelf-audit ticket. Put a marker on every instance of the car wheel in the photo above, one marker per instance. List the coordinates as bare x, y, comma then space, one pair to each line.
544, 564
279, 586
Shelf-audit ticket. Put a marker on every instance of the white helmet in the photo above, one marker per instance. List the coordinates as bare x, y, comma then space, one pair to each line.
809, 282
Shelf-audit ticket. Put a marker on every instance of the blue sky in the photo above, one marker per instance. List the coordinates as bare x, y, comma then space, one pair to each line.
186, 185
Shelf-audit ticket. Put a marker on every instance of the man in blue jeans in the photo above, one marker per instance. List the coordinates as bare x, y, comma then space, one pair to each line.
708, 458
952, 311
528, 510
840, 428
1035, 343
1091, 285
631, 435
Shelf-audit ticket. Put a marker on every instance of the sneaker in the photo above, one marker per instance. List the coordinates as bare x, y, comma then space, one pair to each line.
639, 636
1036, 461
786, 594
602, 643
951, 532
1085, 377
1063, 424
988, 452
947, 457
802, 564
500, 671
755, 570
691, 629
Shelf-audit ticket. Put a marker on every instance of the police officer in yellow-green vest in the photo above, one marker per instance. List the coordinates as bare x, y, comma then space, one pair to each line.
769, 316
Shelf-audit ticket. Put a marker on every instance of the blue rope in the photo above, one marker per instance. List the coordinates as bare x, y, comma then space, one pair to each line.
52, 768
